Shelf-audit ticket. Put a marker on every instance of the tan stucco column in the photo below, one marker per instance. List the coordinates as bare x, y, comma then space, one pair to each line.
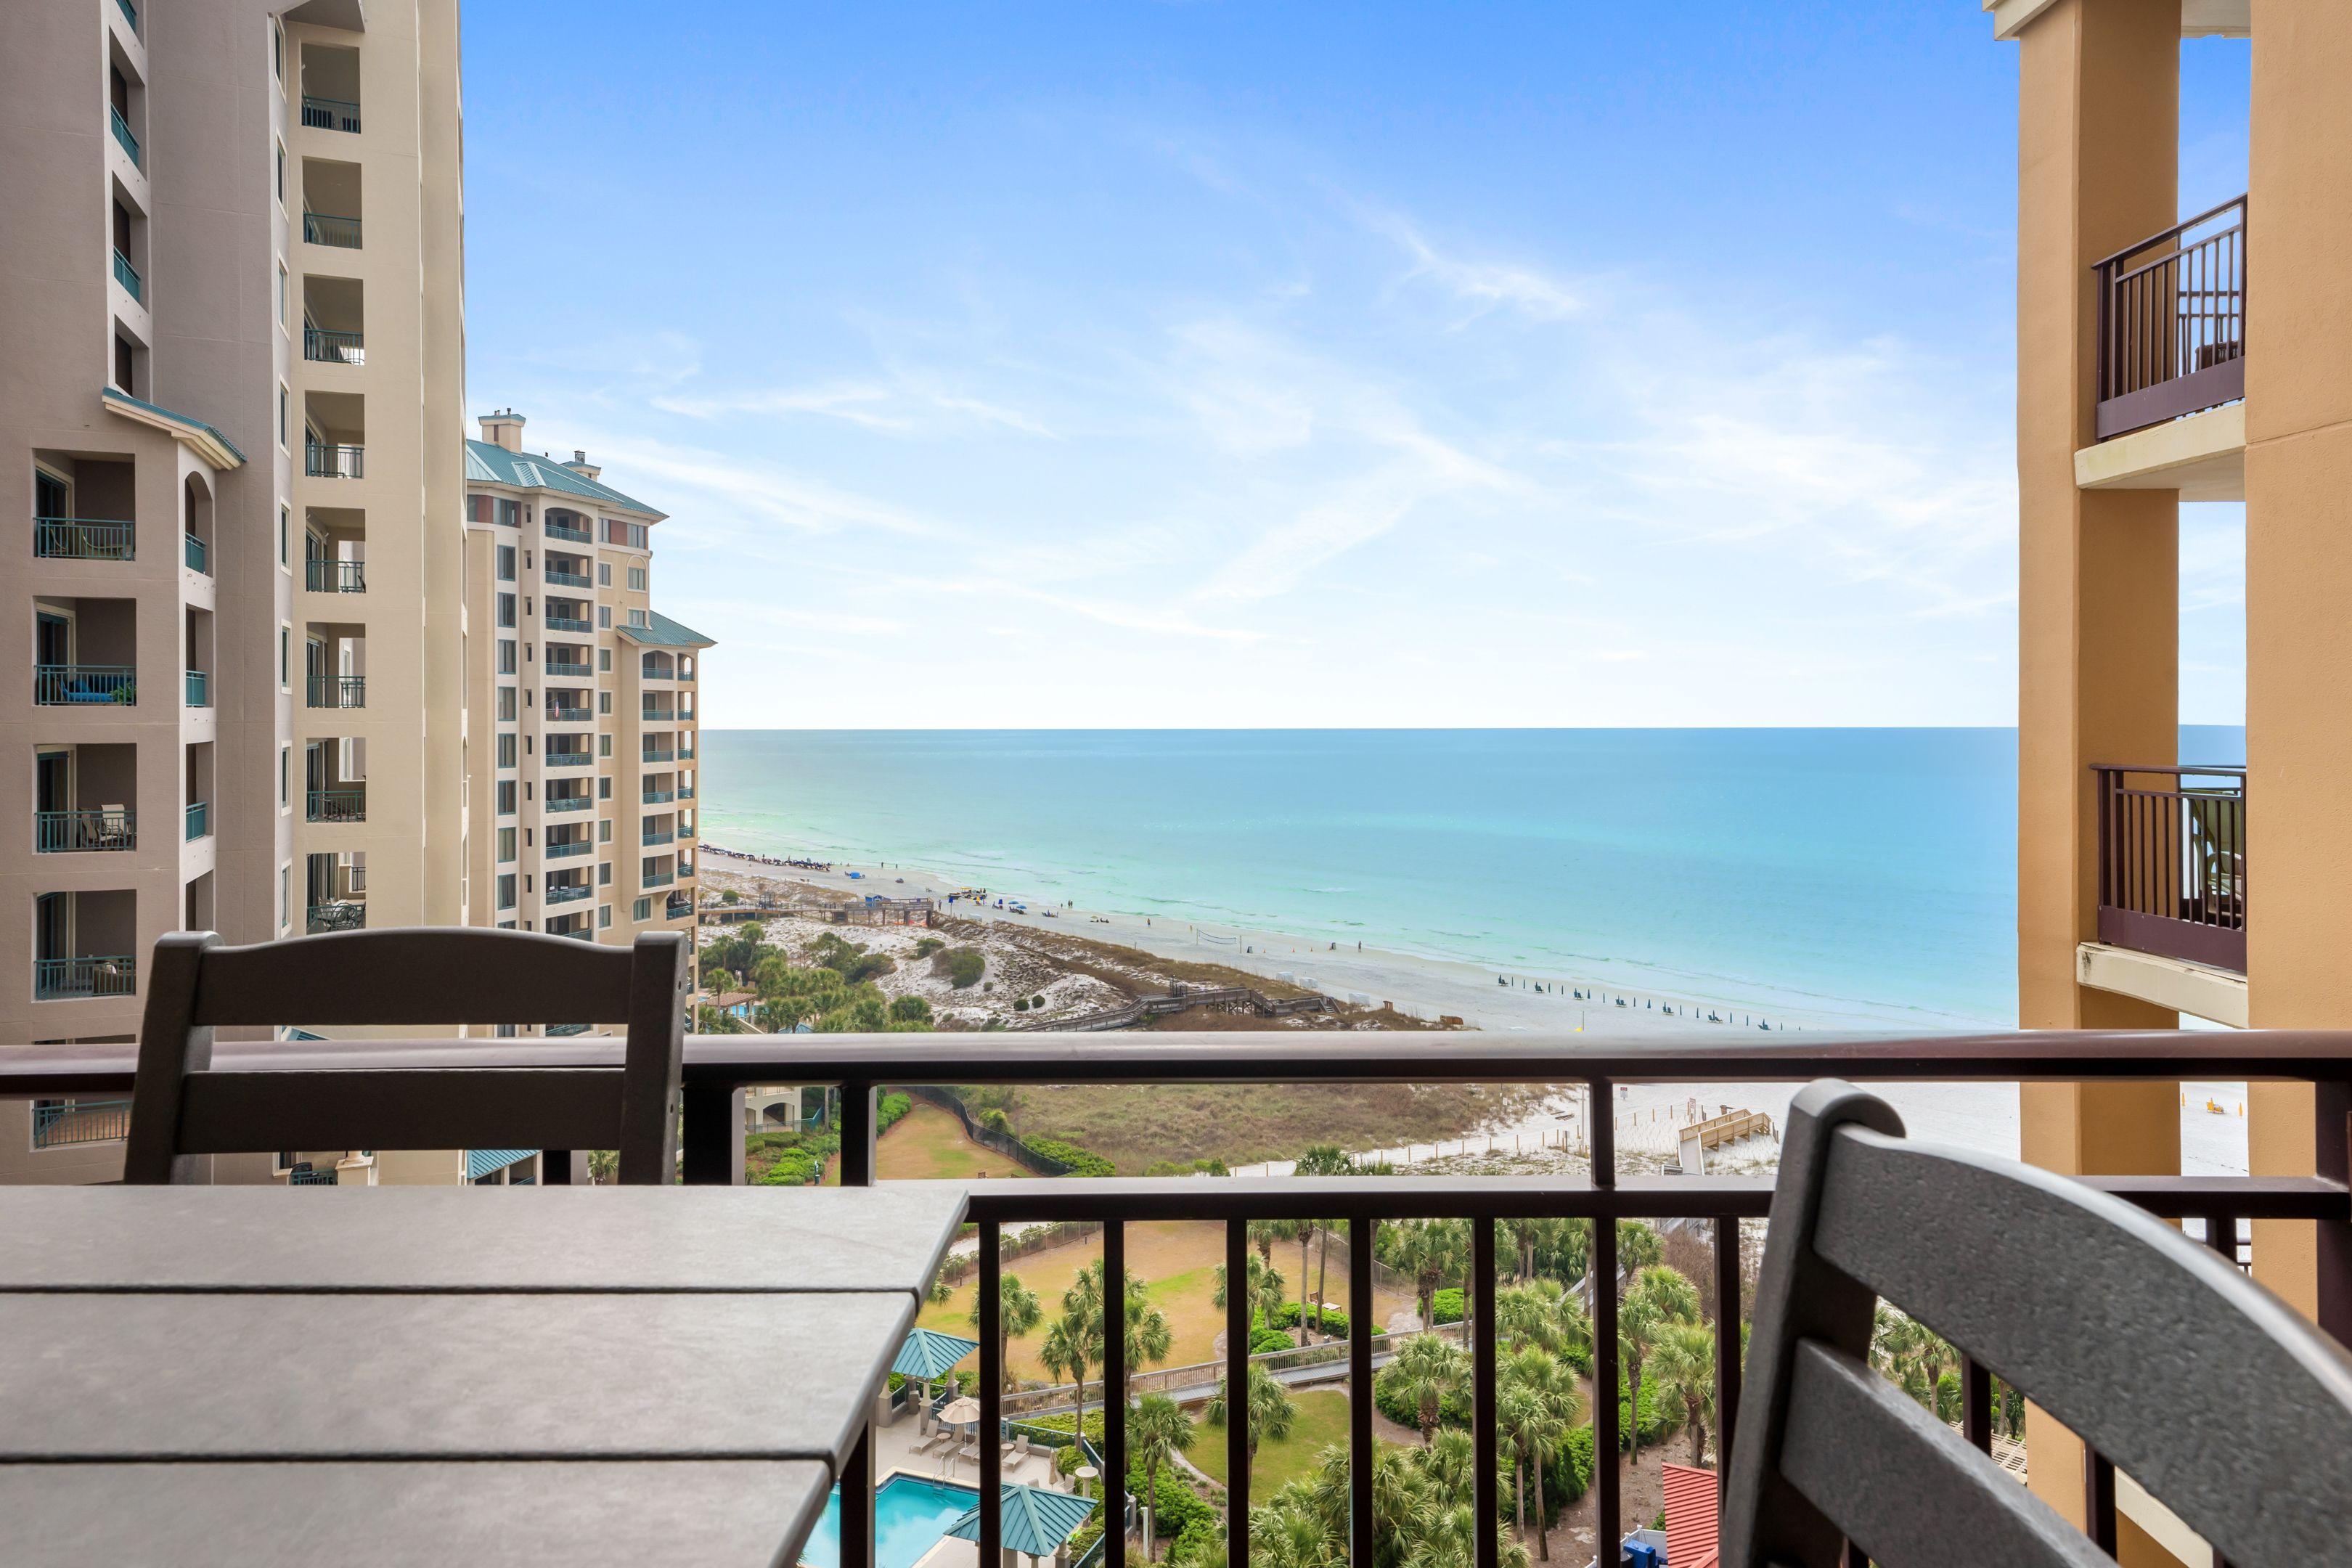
2298, 582
2098, 572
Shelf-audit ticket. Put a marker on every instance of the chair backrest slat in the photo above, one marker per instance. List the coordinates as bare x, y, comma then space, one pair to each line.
2213, 1395
181, 1108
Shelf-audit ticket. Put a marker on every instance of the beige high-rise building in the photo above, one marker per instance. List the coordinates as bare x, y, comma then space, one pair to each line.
580, 702
2168, 357
232, 406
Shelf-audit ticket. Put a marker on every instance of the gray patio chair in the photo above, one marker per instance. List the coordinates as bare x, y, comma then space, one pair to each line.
2216, 1396
182, 1106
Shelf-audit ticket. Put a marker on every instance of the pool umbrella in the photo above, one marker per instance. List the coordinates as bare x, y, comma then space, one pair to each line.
1036, 1521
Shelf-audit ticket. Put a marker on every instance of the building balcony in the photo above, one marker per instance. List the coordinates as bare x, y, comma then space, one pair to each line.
82, 539
555, 530
568, 892
85, 831
333, 461
662, 715
199, 689
325, 576
200, 820
330, 114
328, 228
572, 850
570, 579
92, 975
2172, 863
324, 347
560, 713
2172, 322
569, 759
63, 1123
569, 803
127, 141
685, 792
336, 691
659, 796
128, 276
558, 669
85, 685
659, 754
677, 907
197, 555
556, 623
656, 878
337, 914
335, 805
650, 838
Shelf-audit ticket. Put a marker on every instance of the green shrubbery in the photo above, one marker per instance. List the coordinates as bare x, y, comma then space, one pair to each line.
1175, 1507
963, 967
1081, 1161
1333, 1320
1446, 1304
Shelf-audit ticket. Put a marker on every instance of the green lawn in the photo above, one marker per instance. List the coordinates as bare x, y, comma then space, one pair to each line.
1321, 1422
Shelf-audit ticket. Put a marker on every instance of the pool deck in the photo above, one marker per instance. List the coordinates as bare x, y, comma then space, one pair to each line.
894, 1454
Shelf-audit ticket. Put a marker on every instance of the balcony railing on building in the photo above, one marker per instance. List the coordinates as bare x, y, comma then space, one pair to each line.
2172, 322
331, 460
330, 114
656, 878
659, 754
86, 830
561, 669
197, 553
563, 579
568, 849
569, 759
330, 228
338, 691
556, 623
686, 830
321, 576
82, 539
306, 1176
2172, 862
199, 689
128, 276
130, 144
96, 974
335, 348
685, 792
659, 796
555, 529
62, 1123
570, 714
569, 803
335, 805
337, 914
200, 820
567, 892
84, 685
678, 906
654, 837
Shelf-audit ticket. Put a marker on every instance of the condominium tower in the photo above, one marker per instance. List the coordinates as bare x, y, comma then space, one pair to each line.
2168, 357
231, 406
580, 699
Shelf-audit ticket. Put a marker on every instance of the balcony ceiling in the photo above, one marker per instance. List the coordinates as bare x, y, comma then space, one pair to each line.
2199, 18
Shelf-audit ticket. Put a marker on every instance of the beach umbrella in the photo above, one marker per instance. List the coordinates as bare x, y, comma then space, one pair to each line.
959, 1411
1037, 1521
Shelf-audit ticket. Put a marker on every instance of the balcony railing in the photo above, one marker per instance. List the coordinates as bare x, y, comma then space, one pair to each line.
555, 529
199, 689
678, 906
130, 144
658, 715
328, 228
310, 1176
330, 114
127, 275
569, 759
556, 623
2172, 862
558, 713
650, 837
60, 1124
656, 878
559, 670
81, 539
331, 460
82, 830
335, 348
559, 850
2172, 322
657, 755
562, 893
569, 803
80, 685
570, 579
335, 805
197, 553
659, 796
685, 792
338, 914
200, 820
67, 979
338, 691
686, 830
325, 576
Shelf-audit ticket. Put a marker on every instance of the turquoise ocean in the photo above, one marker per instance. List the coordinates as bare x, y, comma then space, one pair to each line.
1785, 867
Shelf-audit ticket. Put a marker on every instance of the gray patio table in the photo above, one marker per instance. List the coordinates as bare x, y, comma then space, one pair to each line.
242, 1376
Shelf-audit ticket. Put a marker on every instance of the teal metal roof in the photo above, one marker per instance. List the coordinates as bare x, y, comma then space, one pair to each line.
928, 1353
480, 1162
666, 632
1036, 1522
116, 395
487, 462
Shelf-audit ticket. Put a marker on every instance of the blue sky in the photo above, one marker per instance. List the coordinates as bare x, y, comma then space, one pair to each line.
1202, 364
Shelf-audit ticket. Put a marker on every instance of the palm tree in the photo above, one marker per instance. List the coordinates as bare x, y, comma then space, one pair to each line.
1546, 1389
1430, 1250
1265, 1286
1068, 1351
1658, 1298
1270, 1412
1322, 1160
1288, 1533
1156, 1430
1542, 1313
1017, 1313
1426, 1371
1685, 1367
604, 1164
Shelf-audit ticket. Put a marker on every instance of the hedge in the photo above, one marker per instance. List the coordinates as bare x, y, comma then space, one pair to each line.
1334, 1321
1263, 1340
1081, 1161
893, 1110
1446, 1305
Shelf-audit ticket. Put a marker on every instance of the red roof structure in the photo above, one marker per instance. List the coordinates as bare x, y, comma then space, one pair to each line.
1690, 1517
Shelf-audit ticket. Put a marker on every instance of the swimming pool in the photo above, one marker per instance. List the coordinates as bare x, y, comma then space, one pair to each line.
910, 1514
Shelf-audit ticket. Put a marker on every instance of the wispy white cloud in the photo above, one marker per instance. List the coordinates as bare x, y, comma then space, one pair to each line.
1485, 285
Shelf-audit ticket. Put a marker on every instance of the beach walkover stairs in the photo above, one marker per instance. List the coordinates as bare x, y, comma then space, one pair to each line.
1233, 998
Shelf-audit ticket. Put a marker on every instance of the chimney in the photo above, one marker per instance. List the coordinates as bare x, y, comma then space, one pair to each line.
503, 429
581, 465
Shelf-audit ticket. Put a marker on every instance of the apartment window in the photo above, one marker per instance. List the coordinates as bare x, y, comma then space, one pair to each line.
605, 917
285, 535
506, 751
281, 173
637, 579
605, 831
285, 414
640, 618
507, 890
603, 574
603, 617
506, 656
285, 300
506, 846
604, 789
285, 883
285, 654
506, 792
285, 773
642, 911
605, 662
277, 50
604, 745
604, 873
604, 702
506, 563
506, 609
506, 704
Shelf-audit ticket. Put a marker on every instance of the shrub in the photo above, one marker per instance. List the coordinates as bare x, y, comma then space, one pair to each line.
1334, 1321
1263, 1340
731, 896
794, 1168
963, 967
1038, 1000
892, 1110
1569, 1474
926, 946
995, 1120
1021, 1004
1447, 1304
1081, 1161
910, 1010
1406, 1411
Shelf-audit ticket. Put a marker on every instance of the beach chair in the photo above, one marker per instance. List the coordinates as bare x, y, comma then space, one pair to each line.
113, 827
2209, 1392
